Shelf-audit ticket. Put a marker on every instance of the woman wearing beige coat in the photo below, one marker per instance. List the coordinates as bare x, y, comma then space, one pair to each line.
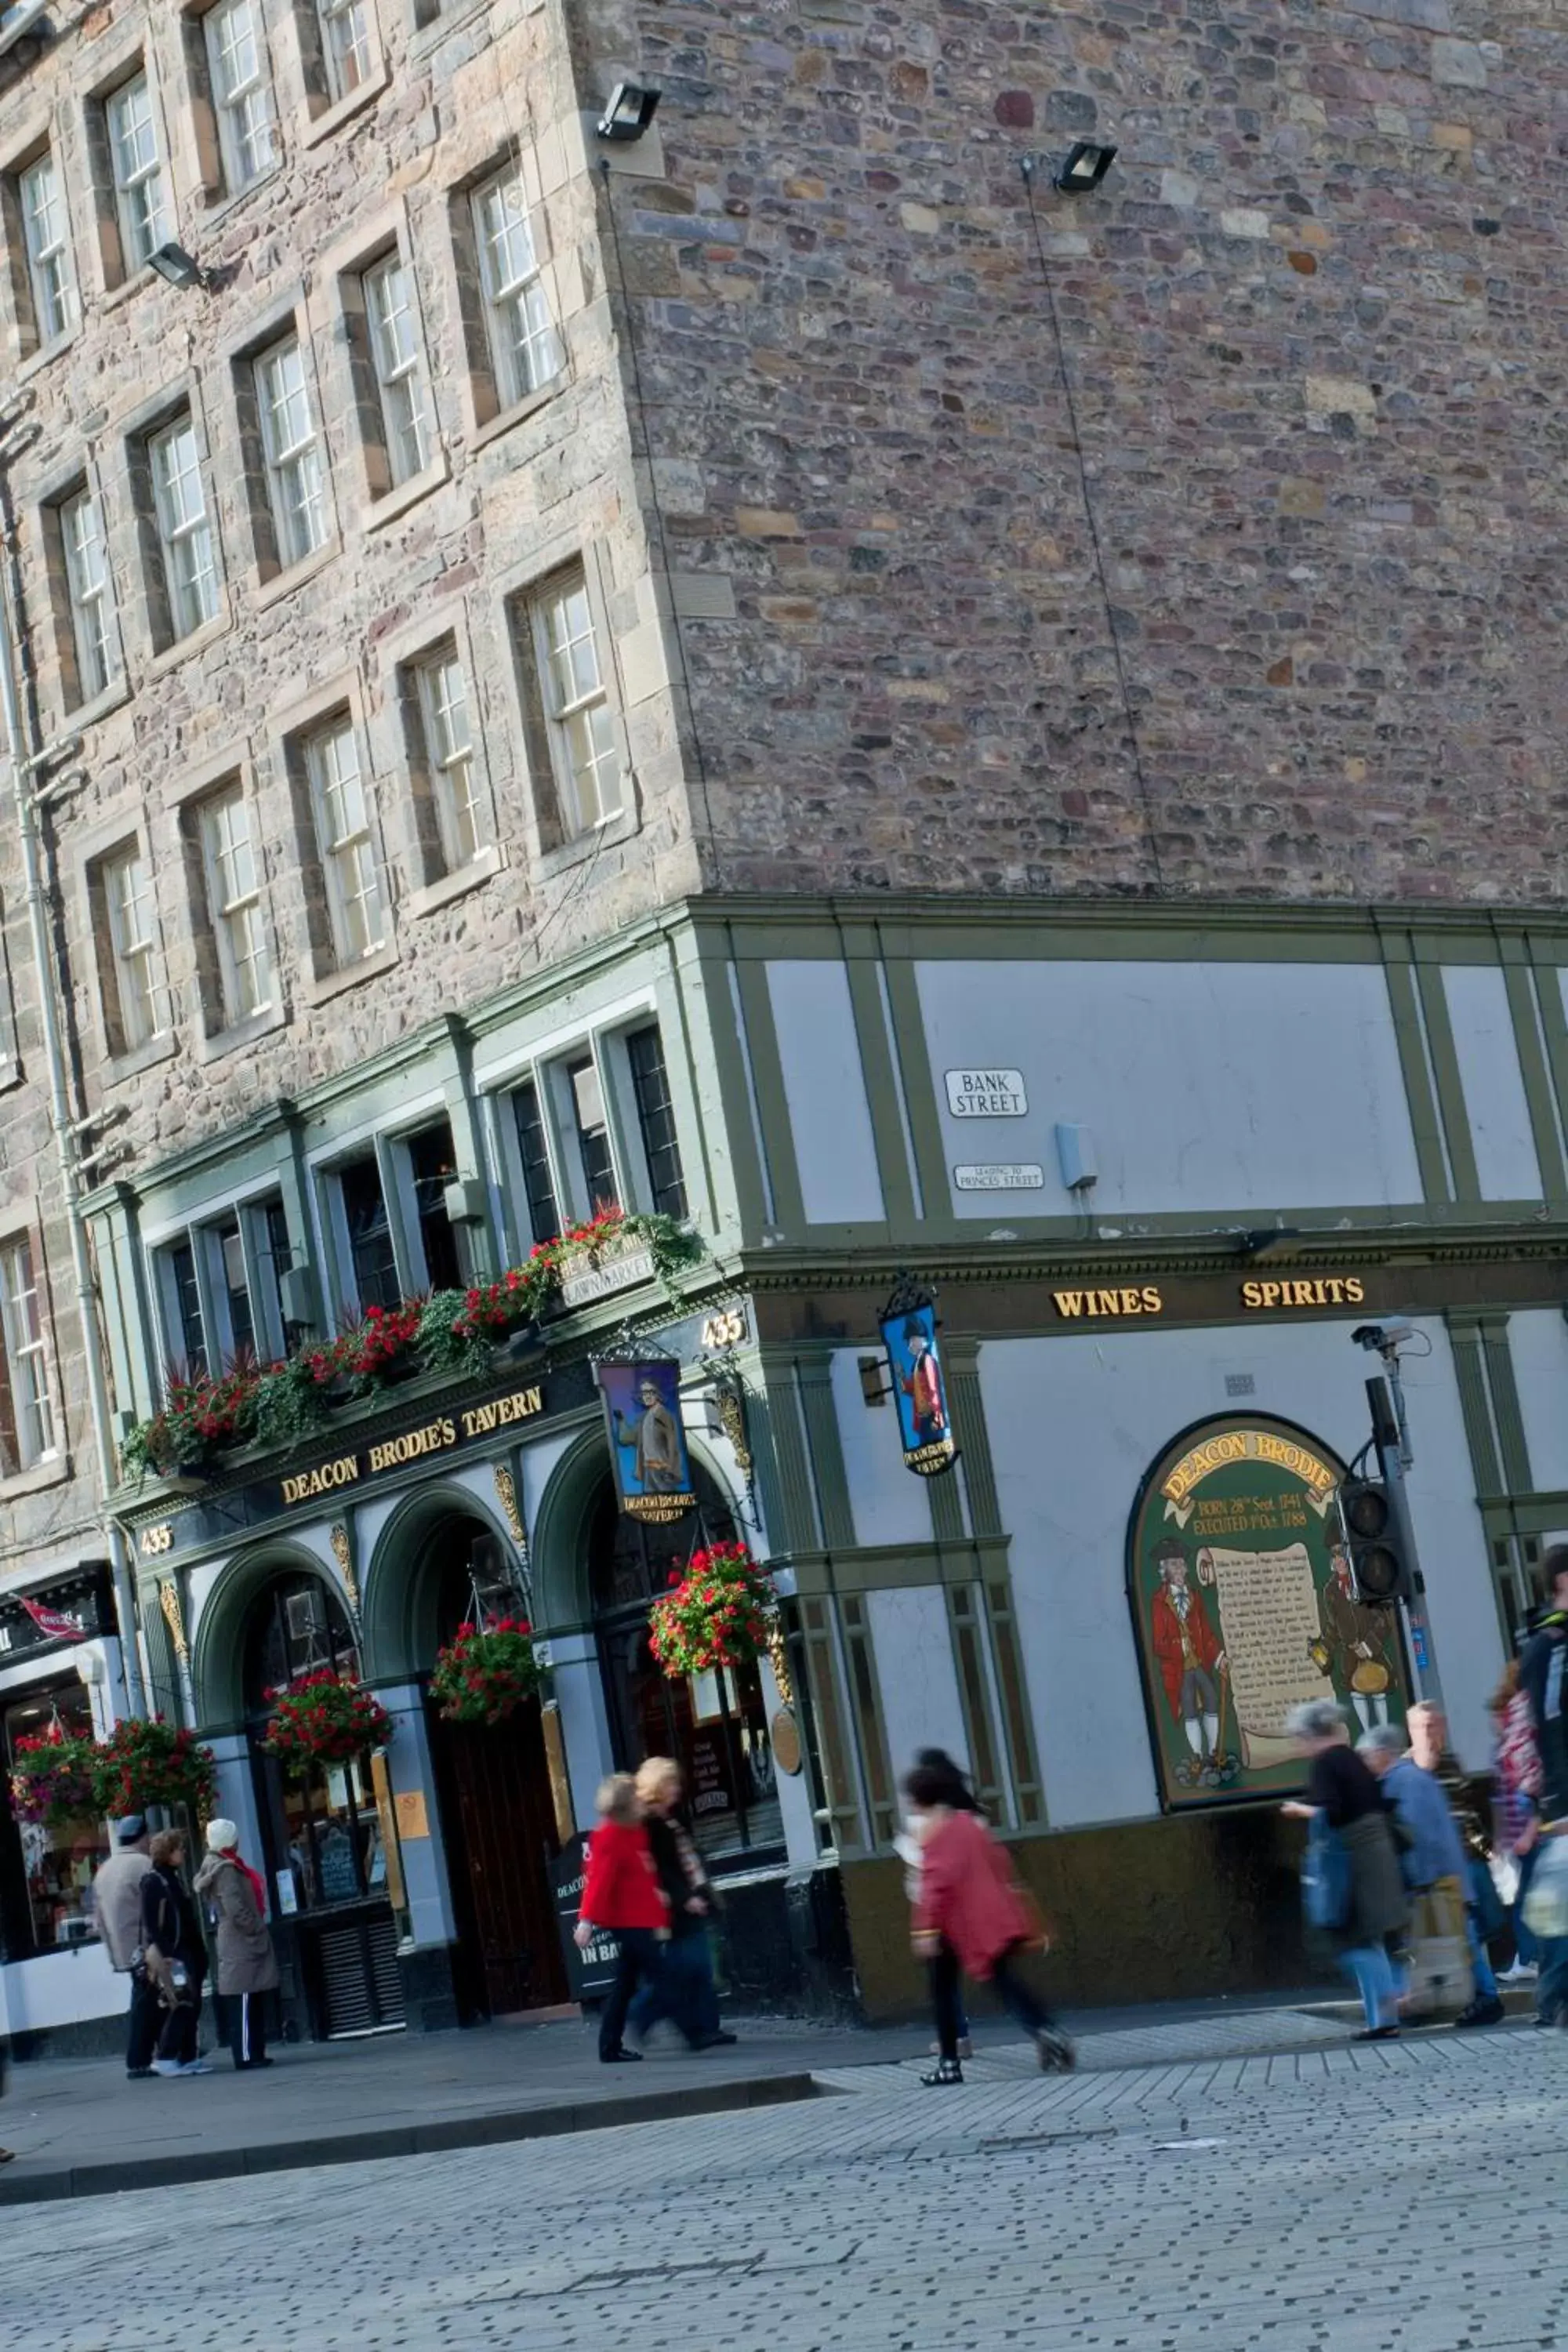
235, 1899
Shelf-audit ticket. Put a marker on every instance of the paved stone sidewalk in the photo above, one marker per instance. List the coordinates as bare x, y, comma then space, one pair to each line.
1396, 2199
80, 2129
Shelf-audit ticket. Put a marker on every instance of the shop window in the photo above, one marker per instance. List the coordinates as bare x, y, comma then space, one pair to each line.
367, 1225
656, 1120
323, 1836
432, 1166
28, 1431
533, 1151
714, 1725
58, 1859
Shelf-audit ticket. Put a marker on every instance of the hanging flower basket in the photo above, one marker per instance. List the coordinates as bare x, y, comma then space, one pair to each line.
486, 1673
324, 1718
143, 1763
722, 1612
52, 1778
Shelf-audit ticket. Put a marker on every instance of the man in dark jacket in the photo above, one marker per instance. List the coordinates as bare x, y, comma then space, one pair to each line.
1542, 1670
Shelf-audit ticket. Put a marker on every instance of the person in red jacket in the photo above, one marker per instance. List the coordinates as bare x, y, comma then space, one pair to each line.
971, 1915
622, 1892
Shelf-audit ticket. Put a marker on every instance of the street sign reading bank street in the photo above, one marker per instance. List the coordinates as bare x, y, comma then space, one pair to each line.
986, 1093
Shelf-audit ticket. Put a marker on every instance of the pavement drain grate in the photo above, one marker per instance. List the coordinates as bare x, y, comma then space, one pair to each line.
1048, 2138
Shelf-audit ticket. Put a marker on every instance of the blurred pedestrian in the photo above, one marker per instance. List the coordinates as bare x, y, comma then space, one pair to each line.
684, 1991
1541, 1665
174, 1956
1516, 1812
117, 1908
971, 1918
962, 1800
1352, 1809
621, 1893
234, 1898
1436, 1868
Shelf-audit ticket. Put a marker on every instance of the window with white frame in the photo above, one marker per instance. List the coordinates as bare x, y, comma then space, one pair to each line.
341, 809
233, 885
141, 186
593, 1128
578, 722
138, 1004
46, 233
441, 696
34, 1431
397, 354
94, 634
524, 348
240, 75
346, 44
291, 447
186, 544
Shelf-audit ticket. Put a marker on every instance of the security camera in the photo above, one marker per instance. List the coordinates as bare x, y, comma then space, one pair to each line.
1381, 1337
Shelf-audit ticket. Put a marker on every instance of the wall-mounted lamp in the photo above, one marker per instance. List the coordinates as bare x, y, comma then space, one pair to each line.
632, 107
177, 267
1086, 166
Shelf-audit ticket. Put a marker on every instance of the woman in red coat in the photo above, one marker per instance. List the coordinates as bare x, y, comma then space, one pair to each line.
621, 1892
971, 1916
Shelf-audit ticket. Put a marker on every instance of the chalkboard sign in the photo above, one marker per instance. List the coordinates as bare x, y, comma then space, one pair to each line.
589, 1974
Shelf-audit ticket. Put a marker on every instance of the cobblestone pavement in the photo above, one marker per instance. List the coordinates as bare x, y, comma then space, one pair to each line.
1402, 2198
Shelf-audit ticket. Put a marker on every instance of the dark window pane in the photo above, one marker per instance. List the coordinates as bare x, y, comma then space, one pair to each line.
543, 1215
190, 1339
236, 1290
650, 1083
370, 1233
593, 1134
277, 1255
434, 1163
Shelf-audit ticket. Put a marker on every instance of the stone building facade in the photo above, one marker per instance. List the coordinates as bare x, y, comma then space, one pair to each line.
568, 668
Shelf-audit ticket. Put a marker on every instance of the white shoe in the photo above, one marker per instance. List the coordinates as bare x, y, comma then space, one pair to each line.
195, 2066
167, 2066
1522, 1972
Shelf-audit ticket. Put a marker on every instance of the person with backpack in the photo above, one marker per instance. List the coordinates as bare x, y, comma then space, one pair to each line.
1354, 1822
971, 1918
174, 1956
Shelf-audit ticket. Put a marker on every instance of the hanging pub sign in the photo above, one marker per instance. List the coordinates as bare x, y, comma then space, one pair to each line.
920, 1388
1243, 1607
648, 1438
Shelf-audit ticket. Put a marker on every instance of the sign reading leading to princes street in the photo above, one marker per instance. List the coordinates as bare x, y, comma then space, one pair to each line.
986, 1093
1243, 1606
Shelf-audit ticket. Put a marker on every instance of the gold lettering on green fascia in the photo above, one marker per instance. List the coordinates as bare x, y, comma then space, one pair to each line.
413, 1445
1096, 1306
1321, 1291
480, 1420
342, 1472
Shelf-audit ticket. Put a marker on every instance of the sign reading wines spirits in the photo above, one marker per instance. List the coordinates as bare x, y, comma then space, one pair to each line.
648, 1438
1244, 1607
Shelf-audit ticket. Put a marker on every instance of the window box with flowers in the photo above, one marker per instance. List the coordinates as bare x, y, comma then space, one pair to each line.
485, 1672
324, 1718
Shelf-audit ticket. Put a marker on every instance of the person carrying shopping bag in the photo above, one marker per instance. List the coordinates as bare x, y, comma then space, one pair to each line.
972, 1919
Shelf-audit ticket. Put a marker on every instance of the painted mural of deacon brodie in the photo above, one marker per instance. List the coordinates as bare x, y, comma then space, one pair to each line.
1191, 1661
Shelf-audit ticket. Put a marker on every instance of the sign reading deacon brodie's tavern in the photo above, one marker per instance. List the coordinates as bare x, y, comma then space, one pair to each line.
230, 1512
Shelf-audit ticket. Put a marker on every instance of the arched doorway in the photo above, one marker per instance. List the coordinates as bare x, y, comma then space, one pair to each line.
330, 1850
714, 1725
492, 1780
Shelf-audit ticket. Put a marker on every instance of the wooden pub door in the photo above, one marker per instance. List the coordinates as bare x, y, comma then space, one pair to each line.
494, 1781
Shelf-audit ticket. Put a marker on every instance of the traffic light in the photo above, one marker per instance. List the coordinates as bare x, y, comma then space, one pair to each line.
1382, 1573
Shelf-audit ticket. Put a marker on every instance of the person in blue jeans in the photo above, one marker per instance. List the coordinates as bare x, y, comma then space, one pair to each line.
1542, 1663
684, 1991
1436, 1861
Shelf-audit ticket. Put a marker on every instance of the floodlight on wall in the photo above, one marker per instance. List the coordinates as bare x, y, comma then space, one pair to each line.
1086, 165
632, 107
176, 267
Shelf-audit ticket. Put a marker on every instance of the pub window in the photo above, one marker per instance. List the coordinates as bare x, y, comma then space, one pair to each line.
533, 1152
220, 1285
59, 1858
432, 1166
185, 1327
656, 1120
322, 1831
367, 1230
